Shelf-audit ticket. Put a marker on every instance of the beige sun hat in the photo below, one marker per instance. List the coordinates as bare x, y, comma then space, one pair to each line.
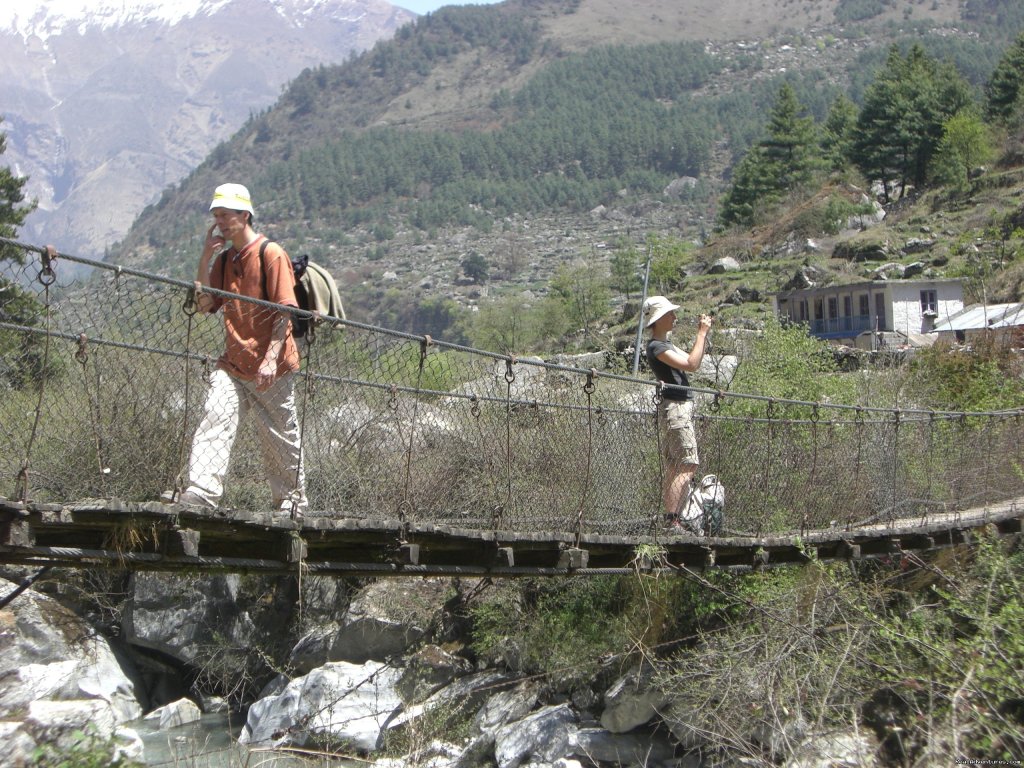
656, 307
234, 197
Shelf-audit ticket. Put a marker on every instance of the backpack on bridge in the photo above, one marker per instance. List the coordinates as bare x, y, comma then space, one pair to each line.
315, 289
705, 506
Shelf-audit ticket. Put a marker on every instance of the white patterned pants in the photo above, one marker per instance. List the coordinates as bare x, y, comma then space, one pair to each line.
228, 403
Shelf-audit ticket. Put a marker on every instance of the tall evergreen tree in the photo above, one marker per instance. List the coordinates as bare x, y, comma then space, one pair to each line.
17, 306
837, 133
1005, 99
792, 142
784, 160
901, 122
13, 208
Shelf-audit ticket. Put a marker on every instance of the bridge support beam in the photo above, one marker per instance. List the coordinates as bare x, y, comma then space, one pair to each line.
409, 554
295, 548
504, 557
849, 550
180, 542
573, 558
17, 533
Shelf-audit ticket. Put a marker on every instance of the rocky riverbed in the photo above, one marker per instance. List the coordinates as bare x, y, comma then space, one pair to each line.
371, 668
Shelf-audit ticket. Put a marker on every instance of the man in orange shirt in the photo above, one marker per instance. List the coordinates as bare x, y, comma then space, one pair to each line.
257, 370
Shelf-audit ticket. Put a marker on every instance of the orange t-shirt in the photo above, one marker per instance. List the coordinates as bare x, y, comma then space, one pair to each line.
248, 327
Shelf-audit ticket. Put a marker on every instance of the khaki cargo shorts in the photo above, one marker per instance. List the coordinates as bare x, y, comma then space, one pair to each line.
678, 436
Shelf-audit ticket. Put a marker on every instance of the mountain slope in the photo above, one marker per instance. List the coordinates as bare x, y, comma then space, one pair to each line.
105, 106
523, 135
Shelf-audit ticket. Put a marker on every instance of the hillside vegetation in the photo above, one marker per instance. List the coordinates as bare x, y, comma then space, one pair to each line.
487, 151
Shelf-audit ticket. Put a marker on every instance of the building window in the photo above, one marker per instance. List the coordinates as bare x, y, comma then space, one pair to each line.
819, 309
865, 308
847, 306
929, 303
833, 307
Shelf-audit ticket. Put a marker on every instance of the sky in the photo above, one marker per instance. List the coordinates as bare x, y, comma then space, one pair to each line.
425, 6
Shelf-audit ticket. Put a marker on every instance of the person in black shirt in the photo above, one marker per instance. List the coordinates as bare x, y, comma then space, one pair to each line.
675, 413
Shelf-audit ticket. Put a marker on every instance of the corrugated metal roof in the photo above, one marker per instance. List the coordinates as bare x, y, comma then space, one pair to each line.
979, 316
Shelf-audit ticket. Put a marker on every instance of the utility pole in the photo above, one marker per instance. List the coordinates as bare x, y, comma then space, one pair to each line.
640, 322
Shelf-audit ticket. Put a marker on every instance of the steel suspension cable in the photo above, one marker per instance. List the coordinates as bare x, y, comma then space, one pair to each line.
47, 276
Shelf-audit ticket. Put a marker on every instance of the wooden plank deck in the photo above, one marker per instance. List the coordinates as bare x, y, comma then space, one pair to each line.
153, 536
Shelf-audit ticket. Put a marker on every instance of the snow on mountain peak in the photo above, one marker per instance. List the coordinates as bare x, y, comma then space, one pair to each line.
49, 17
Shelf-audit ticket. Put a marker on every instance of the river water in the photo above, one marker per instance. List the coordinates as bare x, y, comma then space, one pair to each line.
211, 743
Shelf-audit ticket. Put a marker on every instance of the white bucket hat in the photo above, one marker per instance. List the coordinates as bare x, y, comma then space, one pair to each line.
232, 196
657, 306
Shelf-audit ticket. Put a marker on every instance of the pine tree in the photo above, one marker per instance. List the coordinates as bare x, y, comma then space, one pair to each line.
1003, 90
901, 122
13, 208
17, 306
837, 133
782, 162
792, 143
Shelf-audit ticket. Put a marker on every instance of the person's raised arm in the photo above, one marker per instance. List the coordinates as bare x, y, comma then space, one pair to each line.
212, 245
689, 362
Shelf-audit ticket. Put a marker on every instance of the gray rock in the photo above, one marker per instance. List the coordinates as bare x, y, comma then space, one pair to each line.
867, 220
918, 245
429, 669
677, 187
341, 701
183, 617
545, 735
128, 746
386, 619
507, 706
60, 724
48, 653
808, 276
463, 696
598, 745
175, 714
16, 745
723, 265
856, 251
835, 750
717, 371
891, 271
631, 701
913, 269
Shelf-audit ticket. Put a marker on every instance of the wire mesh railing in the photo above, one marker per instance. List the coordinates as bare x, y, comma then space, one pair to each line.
104, 381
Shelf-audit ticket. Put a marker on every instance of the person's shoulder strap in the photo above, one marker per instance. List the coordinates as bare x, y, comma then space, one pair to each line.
263, 267
223, 258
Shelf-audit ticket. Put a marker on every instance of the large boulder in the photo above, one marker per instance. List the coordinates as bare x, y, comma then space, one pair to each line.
542, 736
507, 706
385, 619
184, 617
176, 714
835, 750
597, 745
47, 653
631, 701
339, 702
463, 696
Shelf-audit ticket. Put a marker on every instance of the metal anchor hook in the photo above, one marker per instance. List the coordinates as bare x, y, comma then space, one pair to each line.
47, 275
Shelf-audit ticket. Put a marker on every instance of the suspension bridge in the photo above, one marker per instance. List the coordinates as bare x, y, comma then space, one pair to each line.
429, 458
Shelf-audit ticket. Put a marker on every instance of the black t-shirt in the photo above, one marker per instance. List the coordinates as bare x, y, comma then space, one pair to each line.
665, 372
